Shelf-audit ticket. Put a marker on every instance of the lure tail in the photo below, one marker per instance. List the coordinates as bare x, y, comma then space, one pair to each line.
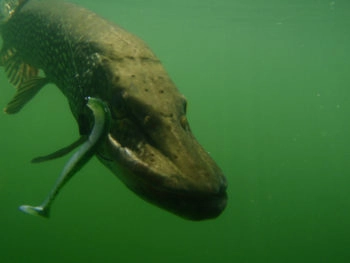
85, 152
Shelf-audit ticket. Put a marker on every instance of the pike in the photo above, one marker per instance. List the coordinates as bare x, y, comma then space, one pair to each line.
130, 114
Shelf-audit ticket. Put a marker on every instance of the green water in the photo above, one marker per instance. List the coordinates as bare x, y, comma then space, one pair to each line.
268, 85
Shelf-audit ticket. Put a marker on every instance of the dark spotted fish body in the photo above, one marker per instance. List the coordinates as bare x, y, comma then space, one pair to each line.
73, 47
130, 114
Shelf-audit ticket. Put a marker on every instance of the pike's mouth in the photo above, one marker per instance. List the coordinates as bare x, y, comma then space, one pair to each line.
151, 148
195, 189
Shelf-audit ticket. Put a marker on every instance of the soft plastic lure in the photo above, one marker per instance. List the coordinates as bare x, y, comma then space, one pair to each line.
135, 118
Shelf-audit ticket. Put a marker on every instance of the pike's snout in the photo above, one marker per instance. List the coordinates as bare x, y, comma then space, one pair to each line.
165, 165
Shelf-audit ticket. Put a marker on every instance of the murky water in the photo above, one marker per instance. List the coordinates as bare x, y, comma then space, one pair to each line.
268, 89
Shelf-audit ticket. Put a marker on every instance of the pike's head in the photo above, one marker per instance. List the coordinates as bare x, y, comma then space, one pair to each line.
151, 148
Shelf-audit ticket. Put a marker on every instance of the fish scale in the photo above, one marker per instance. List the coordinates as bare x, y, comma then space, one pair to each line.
130, 114
42, 37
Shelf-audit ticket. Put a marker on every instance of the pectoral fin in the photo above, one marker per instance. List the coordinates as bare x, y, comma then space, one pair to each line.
85, 152
23, 76
60, 152
17, 71
25, 92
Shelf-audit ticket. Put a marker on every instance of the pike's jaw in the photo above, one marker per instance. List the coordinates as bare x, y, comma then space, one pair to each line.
196, 194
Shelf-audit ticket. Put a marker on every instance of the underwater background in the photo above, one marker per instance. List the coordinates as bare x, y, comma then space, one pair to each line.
268, 89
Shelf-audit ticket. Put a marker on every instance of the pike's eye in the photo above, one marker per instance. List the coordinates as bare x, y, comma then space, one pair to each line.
118, 108
184, 105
